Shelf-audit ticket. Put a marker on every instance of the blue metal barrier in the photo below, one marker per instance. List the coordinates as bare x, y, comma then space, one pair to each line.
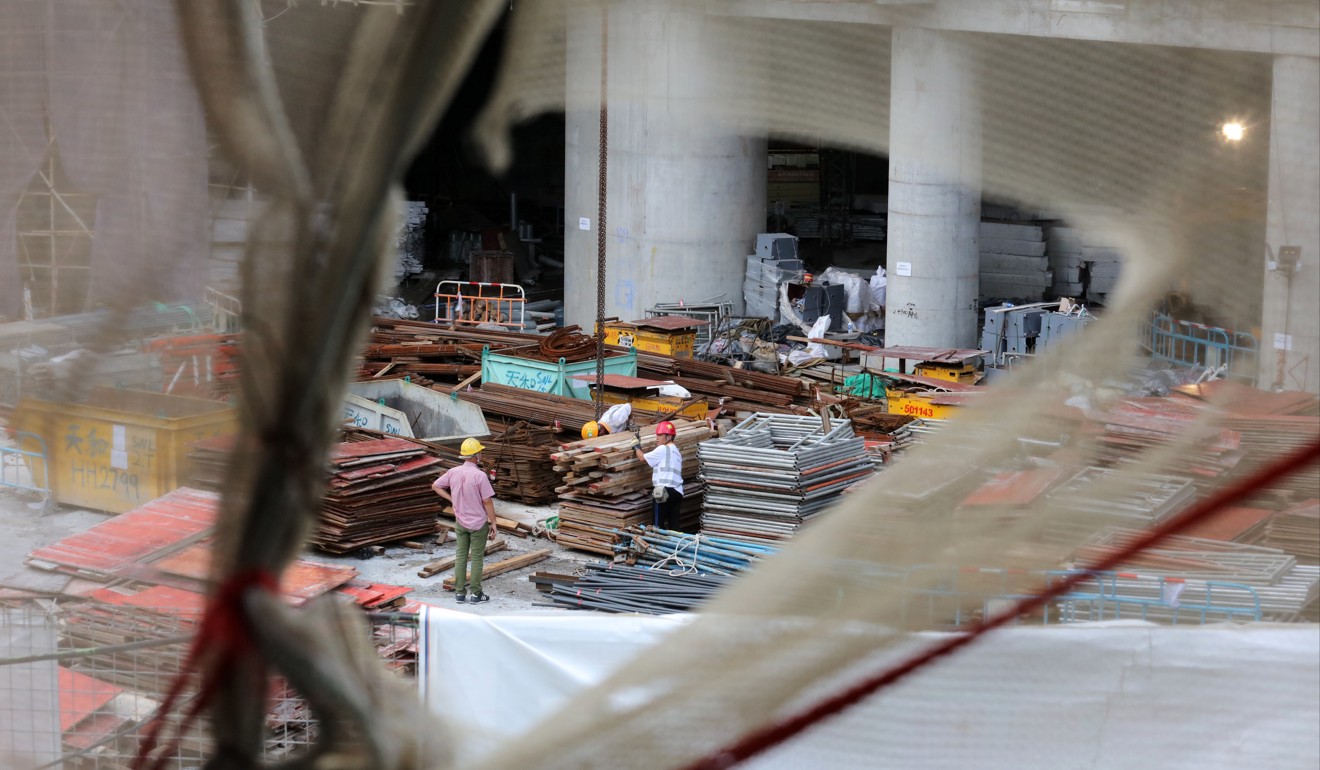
945, 598
15, 460
1192, 345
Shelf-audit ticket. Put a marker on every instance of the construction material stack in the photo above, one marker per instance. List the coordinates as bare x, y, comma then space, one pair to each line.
523, 468
379, 492
606, 488
771, 473
774, 263
1013, 262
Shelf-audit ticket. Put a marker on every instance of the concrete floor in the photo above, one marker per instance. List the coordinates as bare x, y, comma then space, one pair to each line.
26, 525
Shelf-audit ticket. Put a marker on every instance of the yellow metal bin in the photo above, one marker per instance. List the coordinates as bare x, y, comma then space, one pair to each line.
121, 448
669, 335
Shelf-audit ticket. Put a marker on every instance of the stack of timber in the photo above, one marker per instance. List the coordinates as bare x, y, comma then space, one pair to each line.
1132, 427
1013, 262
606, 488
738, 390
562, 412
523, 468
771, 473
207, 461
428, 353
379, 492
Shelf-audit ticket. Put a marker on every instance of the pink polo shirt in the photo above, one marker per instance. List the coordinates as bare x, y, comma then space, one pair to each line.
470, 487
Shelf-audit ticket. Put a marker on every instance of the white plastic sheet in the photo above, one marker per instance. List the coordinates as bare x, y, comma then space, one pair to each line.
1086, 696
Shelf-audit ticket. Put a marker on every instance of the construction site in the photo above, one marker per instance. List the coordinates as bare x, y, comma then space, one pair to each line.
853, 384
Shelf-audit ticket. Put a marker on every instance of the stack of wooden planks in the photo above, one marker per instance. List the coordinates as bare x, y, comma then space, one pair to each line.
379, 492
523, 468
429, 353
606, 488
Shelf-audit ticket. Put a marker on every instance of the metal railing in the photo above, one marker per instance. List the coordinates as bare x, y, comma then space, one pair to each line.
26, 470
1196, 346
945, 598
472, 303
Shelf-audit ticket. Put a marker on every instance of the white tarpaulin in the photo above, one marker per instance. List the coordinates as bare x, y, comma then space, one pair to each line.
1101, 695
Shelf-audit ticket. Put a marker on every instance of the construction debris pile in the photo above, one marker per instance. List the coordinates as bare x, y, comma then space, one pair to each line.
606, 488
379, 492
771, 473
523, 468
141, 578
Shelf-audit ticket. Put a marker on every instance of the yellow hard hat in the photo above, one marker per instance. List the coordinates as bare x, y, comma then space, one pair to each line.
593, 429
470, 447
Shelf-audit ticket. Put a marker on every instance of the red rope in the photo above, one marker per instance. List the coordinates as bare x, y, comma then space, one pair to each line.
225, 638
768, 737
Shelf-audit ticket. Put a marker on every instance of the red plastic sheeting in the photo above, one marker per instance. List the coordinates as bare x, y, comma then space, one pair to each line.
124, 540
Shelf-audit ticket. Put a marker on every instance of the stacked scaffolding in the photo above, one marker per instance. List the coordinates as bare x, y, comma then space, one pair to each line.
773, 472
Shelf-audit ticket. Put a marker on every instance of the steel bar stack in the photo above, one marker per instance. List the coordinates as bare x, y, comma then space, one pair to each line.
606, 488
681, 552
379, 492
771, 473
1096, 498
1183, 572
621, 588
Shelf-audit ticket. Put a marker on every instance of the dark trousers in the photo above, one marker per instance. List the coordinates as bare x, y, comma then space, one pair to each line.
665, 515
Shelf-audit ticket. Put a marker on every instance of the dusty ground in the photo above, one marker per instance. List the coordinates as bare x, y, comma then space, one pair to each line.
26, 525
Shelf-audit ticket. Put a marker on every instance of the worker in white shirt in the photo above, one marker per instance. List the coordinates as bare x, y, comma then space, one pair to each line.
666, 475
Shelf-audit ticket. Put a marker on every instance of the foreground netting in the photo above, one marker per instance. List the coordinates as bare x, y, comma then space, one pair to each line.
319, 107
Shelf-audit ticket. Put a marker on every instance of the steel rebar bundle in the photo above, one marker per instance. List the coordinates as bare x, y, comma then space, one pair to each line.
621, 588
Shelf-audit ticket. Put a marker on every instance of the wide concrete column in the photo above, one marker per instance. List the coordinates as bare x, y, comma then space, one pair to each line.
1289, 318
686, 193
934, 191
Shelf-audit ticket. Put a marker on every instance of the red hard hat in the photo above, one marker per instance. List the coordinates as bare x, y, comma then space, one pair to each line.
665, 428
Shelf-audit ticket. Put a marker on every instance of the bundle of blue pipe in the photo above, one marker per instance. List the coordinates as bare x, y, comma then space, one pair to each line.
679, 552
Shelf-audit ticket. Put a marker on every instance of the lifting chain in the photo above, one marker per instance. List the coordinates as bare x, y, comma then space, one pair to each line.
599, 396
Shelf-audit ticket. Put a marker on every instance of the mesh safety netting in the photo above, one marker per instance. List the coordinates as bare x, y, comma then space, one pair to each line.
315, 110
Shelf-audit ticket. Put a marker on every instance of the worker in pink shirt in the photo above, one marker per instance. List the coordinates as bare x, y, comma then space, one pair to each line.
468, 488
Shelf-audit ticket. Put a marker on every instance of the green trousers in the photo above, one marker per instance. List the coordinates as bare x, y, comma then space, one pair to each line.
470, 541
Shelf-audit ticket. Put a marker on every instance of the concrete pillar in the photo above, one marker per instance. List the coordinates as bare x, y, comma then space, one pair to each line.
934, 191
686, 194
1290, 326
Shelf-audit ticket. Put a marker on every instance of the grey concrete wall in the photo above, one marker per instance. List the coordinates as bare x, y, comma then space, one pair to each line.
1293, 219
1286, 27
934, 192
686, 192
